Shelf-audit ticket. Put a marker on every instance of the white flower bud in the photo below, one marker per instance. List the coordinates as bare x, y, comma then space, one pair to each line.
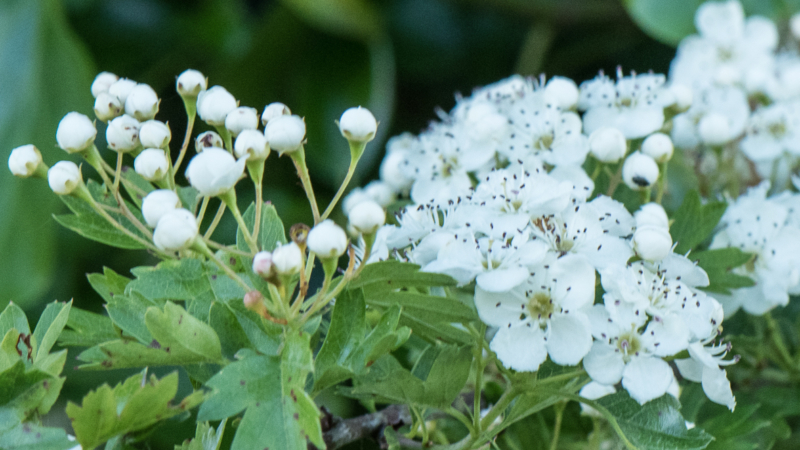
122, 134
651, 214
358, 124
391, 171
794, 26
714, 129
607, 144
652, 243
142, 102
683, 96
366, 217
562, 92
251, 144
274, 110
213, 105
327, 240
106, 107
24, 160
75, 132
639, 171
240, 119
190, 83
658, 146
102, 82
157, 203
285, 133
206, 140
262, 264
287, 259
154, 134
64, 177
380, 192
151, 164
175, 231
353, 198
214, 171
121, 89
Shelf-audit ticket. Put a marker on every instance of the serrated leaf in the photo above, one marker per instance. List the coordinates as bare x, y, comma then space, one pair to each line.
732, 429
178, 332
387, 276
133, 405
718, 264
108, 284
656, 425
205, 437
429, 328
27, 436
125, 354
277, 415
442, 308
51, 322
136, 185
25, 392
694, 222
127, 312
270, 233
86, 329
232, 336
263, 334
13, 317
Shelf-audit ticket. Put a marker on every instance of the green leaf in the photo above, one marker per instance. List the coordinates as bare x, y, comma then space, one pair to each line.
86, 329
277, 415
348, 349
136, 185
429, 328
125, 354
108, 284
694, 222
28, 436
178, 332
189, 197
270, 233
127, 312
25, 392
718, 263
443, 309
388, 276
205, 437
668, 22
232, 336
13, 317
655, 425
351, 18
733, 430
51, 322
133, 405
263, 334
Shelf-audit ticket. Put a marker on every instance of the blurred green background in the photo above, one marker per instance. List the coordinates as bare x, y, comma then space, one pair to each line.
400, 58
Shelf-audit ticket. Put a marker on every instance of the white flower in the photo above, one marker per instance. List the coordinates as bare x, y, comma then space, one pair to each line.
652, 243
157, 203
251, 144
543, 315
154, 134
107, 107
608, 144
683, 96
358, 124
122, 134
121, 89
703, 366
594, 390
214, 104
240, 119
794, 26
75, 132
651, 214
262, 264
214, 171
658, 146
287, 259
366, 217
24, 160
771, 132
274, 110
391, 171
142, 102
151, 164
327, 240
190, 83
714, 129
562, 92
102, 82
175, 231
207, 139
285, 133
64, 177
639, 171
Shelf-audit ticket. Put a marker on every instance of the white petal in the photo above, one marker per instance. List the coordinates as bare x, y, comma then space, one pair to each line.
717, 387
670, 335
502, 280
690, 369
569, 338
499, 309
606, 251
604, 364
520, 348
646, 378
575, 283
593, 391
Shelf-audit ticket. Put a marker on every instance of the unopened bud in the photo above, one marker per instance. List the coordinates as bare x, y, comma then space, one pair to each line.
658, 146
561, 92
358, 124
176, 230
608, 144
75, 132
327, 240
151, 164
285, 133
214, 171
366, 217
157, 203
274, 110
251, 144
652, 243
142, 102
122, 134
714, 129
252, 301
206, 140
64, 177
107, 107
380, 192
639, 171
651, 214
121, 89
102, 82
262, 264
213, 105
240, 119
288, 259
190, 83
683, 96
24, 160
154, 134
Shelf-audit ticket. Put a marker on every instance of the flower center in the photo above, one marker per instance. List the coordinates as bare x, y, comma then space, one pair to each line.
629, 344
540, 306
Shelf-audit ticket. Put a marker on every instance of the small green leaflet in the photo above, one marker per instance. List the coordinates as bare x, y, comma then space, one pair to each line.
205, 438
26, 436
718, 264
270, 232
694, 222
387, 276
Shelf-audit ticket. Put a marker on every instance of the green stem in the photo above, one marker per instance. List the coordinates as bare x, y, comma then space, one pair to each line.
350, 171
226, 137
215, 222
225, 248
480, 366
186, 140
502, 403
458, 415
299, 159
92, 156
559, 409
615, 180
258, 179
200, 246
202, 213
229, 198
117, 172
780, 346
662, 182
597, 169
